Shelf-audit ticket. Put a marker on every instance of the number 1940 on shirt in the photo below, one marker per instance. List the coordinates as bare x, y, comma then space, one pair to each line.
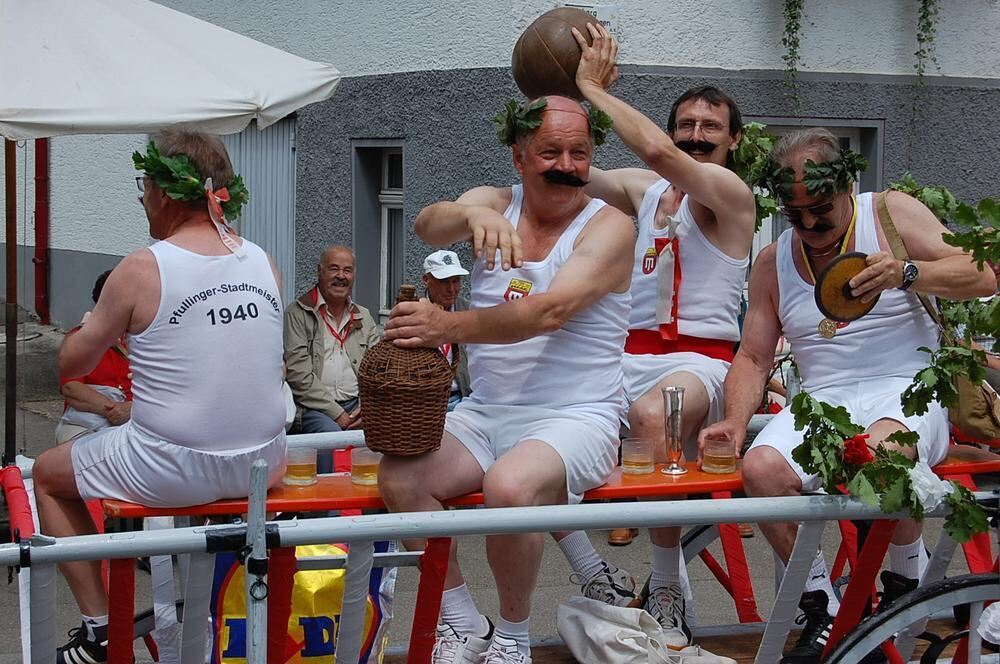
225, 315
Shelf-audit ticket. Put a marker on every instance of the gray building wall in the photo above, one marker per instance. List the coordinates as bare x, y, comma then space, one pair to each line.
443, 120
71, 281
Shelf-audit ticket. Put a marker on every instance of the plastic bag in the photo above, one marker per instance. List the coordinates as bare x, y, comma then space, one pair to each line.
315, 617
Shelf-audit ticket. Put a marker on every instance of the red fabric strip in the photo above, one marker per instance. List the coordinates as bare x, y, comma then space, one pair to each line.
649, 342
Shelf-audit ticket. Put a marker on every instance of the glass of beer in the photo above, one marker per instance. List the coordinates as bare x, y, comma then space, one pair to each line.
637, 456
301, 468
364, 466
718, 455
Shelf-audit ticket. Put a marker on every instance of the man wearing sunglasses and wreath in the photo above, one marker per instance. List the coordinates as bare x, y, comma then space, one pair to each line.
864, 365
202, 311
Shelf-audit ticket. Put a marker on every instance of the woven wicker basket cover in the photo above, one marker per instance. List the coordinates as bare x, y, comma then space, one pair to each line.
833, 294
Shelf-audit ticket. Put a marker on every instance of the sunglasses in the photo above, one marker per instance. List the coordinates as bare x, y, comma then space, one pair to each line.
794, 214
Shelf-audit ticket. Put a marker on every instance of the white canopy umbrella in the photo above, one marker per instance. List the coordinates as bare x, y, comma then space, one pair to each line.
132, 66
127, 67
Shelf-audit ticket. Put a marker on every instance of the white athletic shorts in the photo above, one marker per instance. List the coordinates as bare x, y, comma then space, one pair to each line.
127, 463
866, 402
588, 446
643, 372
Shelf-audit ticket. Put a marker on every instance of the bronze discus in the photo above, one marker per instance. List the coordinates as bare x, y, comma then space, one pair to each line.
833, 291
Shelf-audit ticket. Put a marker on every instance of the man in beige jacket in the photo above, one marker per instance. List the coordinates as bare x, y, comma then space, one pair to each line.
326, 335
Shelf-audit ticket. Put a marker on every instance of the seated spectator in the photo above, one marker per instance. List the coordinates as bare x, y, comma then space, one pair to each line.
326, 335
101, 398
443, 274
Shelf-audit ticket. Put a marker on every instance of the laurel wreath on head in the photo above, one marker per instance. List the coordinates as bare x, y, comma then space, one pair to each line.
518, 119
823, 179
180, 180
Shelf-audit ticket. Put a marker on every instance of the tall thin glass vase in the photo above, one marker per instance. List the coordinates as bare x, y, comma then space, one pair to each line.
673, 408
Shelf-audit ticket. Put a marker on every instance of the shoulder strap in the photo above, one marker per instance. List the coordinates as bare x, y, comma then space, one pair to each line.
899, 251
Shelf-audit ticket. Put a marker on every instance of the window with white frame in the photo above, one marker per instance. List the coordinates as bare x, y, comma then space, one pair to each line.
392, 232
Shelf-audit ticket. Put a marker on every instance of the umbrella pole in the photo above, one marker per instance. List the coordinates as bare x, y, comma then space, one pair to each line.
10, 308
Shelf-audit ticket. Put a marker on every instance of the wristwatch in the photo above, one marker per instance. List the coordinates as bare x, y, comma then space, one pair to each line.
910, 274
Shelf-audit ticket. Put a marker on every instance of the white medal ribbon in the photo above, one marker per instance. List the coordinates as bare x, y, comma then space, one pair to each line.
665, 276
215, 212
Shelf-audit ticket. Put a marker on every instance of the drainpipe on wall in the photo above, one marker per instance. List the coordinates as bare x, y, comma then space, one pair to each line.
41, 259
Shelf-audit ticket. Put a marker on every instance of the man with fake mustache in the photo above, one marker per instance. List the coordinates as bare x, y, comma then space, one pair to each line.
696, 225
864, 365
544, 331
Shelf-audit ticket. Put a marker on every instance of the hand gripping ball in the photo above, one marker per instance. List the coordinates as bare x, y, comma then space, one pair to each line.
546, 55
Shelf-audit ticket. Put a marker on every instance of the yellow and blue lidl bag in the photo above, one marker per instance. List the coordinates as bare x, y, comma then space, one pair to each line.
315, 617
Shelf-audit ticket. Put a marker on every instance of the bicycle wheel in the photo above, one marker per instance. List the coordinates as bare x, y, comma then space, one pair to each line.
912, 607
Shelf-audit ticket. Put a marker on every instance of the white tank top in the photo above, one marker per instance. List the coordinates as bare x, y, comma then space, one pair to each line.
711, 282
207, 372
579, 366
881, 344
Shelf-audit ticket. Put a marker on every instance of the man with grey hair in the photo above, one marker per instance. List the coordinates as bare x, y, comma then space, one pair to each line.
202, 312
863, 365
326, 335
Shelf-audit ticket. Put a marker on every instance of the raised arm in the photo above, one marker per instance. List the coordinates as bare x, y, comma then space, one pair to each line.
477, 216
601, 263
714, 186
621, 187
944, 270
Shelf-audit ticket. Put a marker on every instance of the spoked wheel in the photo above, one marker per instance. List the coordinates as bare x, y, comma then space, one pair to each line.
908, 609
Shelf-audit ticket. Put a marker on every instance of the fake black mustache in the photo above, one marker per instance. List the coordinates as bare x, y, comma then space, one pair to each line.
817, 229
696, 146
568, 179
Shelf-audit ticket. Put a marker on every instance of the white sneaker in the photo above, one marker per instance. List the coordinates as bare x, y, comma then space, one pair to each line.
450, 647
504, 651
666, 605
611, 585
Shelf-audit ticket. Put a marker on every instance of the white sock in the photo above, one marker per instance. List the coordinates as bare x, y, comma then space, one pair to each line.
513, 632
459, 610
819, 579
909, 560
581, 554
666, 567
97, 627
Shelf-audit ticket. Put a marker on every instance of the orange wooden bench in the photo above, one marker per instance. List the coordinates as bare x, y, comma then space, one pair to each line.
336, 492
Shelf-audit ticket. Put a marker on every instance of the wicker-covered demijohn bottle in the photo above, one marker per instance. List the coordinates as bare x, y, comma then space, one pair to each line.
404, 394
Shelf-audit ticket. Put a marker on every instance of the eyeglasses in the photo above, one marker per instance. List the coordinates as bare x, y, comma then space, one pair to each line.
794, 214
140, 182
707, 126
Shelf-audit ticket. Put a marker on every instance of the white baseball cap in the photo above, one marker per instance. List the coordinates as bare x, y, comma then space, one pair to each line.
444, 264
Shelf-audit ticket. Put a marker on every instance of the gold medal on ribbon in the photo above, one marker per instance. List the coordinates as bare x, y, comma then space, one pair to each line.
827, 328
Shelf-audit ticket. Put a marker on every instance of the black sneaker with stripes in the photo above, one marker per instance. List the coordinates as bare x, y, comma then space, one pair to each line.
816, 623
81, 649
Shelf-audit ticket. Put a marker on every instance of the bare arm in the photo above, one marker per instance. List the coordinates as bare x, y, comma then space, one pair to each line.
761, 330
944, 270
714, 186
477, 215
112, 315
84, 398
601, 263
621, 187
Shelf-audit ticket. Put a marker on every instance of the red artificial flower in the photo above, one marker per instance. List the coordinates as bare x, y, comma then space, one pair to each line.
856, 450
